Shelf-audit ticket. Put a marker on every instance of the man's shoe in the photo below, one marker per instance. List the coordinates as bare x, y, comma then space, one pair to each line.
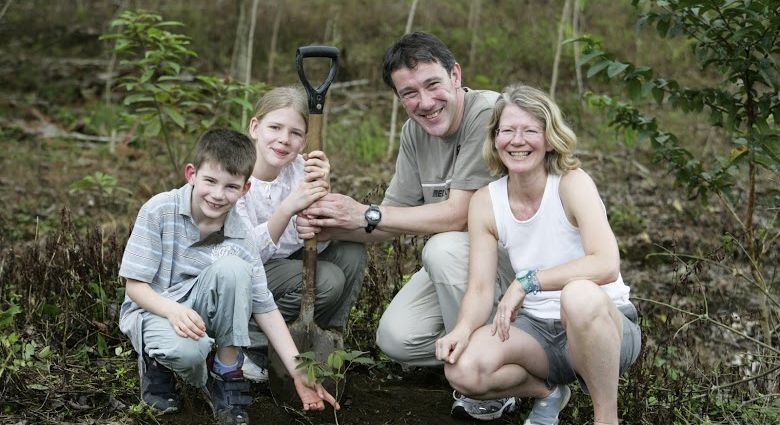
484, 410
255, 366
227, 394
158, 385
546, 410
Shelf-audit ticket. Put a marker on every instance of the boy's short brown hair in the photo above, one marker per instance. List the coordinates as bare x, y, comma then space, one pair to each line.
233, 151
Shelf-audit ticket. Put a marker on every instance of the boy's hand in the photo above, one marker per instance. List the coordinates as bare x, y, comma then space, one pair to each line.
313, 396
187, 322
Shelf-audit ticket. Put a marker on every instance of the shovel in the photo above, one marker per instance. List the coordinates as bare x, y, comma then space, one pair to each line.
305, 333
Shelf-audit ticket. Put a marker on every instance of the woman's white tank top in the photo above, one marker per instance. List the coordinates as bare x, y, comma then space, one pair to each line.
545, 240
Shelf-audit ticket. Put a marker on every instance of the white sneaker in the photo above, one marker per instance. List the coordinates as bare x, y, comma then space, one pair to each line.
546, 410
484, 410
253, 372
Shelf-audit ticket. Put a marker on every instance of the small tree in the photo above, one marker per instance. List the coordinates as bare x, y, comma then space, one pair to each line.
335, 369
740, 41
164, 92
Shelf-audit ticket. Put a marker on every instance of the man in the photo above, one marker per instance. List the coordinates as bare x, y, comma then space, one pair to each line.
439, 167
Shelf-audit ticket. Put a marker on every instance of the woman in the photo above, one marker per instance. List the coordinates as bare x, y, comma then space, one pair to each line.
567, 315
284, 182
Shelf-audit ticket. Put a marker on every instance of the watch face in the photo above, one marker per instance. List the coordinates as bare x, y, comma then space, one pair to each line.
372, 215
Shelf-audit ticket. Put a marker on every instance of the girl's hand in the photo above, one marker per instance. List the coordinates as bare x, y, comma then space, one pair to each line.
313, 396
303, 195
507, 310
316, 167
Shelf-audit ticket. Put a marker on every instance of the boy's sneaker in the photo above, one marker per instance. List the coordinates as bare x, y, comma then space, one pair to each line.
484, 410
227, 394
255, 366
546, 410
158, 385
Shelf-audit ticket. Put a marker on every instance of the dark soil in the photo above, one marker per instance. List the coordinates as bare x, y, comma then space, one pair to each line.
422, 397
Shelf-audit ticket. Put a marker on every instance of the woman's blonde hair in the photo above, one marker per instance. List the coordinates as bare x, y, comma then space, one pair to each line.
556, 132
283, 97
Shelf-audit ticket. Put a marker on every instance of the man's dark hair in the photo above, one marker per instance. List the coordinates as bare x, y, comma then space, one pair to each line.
231, 150
413, 48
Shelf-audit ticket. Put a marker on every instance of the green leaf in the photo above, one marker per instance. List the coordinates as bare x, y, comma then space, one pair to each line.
7, 316
309, 355
596, 68
45, 353
175, 116
658, 95
616, 68
152, 129
52, 309
102, 347
584, 59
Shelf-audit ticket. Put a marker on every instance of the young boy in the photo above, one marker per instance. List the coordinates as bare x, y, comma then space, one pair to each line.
194, 278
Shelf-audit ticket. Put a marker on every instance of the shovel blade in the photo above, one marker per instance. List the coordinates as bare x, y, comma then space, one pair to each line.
307, 337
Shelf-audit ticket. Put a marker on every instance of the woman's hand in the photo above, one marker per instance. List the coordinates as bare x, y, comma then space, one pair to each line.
314, 395
507, 310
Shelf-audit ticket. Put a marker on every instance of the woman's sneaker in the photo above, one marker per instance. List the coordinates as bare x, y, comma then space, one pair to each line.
484, 410
546, 410
158, 385
227, 394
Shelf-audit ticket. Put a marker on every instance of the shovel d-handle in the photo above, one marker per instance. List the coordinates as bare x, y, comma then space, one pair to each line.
316, 100
317, 96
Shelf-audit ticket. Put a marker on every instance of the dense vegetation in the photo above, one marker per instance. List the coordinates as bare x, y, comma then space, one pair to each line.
677, 119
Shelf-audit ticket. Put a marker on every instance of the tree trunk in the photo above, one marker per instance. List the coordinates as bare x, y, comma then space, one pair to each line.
394, 114
241, 63
476, 6
556, 61
274, 38
238, 59
575, 28
5, 8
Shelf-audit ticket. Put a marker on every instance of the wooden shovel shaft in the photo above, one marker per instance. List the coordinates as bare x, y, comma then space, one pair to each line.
309, 276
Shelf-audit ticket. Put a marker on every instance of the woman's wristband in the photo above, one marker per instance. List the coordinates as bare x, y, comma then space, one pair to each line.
528, 281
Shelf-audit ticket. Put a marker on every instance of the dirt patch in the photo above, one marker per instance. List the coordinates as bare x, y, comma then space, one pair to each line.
422, 397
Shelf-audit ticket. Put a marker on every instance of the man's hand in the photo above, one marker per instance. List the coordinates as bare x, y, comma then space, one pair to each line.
338, 211
186, 322
451, 346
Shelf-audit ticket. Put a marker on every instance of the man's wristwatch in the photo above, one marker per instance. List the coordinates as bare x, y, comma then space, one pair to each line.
373, 216
528, 281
